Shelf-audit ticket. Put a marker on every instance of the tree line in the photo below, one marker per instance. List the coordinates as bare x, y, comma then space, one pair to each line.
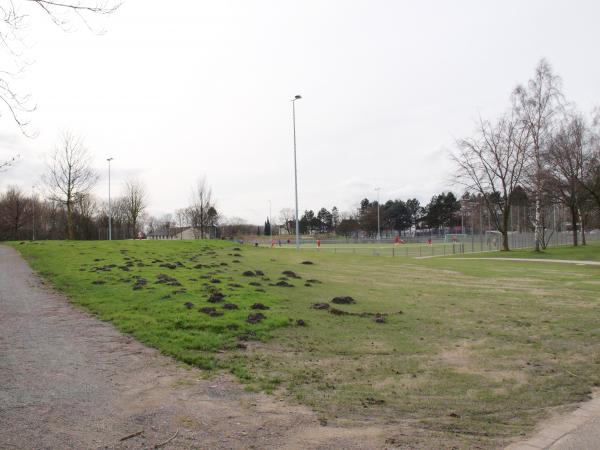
396, 217
541, 147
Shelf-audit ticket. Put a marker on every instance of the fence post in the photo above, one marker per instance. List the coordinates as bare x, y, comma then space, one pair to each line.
419, 250
393, 252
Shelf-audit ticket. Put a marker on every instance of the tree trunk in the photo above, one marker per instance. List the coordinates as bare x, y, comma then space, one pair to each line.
582, 227
504, 230
537, 235
574, 224
70, 234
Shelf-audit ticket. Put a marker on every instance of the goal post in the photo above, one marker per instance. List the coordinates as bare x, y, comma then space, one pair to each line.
493, 239
457, 237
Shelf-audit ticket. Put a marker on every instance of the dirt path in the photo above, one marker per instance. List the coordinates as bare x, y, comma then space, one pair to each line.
575, 431
68, 380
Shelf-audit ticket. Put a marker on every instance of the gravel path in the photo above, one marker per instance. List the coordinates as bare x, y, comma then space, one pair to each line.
68, 380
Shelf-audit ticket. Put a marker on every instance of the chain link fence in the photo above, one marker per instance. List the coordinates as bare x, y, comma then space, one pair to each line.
439, 246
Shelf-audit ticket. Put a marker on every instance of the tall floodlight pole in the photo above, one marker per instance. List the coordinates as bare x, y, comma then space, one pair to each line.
109, 206
378, 227
33, 212
297, 97
270, 221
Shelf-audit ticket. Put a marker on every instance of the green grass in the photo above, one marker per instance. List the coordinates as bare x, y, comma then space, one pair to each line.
589, 252
471, 350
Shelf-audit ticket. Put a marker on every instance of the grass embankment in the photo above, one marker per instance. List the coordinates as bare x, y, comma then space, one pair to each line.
474, 352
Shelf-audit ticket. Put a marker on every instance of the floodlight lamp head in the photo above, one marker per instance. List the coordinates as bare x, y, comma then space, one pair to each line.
297, 97
109, 159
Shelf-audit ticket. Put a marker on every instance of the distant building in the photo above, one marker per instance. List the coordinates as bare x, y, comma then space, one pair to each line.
182, 233
172, 233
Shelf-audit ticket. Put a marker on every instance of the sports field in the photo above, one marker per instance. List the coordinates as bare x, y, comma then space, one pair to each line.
432, 350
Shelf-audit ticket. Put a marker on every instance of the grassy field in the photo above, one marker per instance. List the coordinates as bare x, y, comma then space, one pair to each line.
590, 252
472, 352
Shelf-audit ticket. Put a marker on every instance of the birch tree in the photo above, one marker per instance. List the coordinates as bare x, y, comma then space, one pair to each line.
537, 104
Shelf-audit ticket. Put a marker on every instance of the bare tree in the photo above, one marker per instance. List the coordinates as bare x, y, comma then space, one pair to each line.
537, 105
182, 217
566, 167
590, 180
135, 201
493, 165
13, 25
15, 213
287, 218
198, 211
70, 176
5, 164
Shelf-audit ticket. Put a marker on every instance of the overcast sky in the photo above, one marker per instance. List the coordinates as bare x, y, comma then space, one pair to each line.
177, 90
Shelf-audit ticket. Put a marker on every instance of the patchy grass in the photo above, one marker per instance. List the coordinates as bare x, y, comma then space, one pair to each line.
589, 252
471, 350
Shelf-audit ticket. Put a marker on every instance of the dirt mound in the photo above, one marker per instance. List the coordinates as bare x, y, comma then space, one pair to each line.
337, 312
249, 273
308, 263
255, 318
343, 300
320, 306
259, 273
189, 305
169, 266
254, 283
211, 311
139, 283
291, 274
216, 297
379, 318
300, 323
98, 282
313, 281
283, 283
166, 279
230, 306
259, 306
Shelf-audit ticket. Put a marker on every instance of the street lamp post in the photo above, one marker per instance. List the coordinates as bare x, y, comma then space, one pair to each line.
297, 97
109, 206
33, 213
378, 227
